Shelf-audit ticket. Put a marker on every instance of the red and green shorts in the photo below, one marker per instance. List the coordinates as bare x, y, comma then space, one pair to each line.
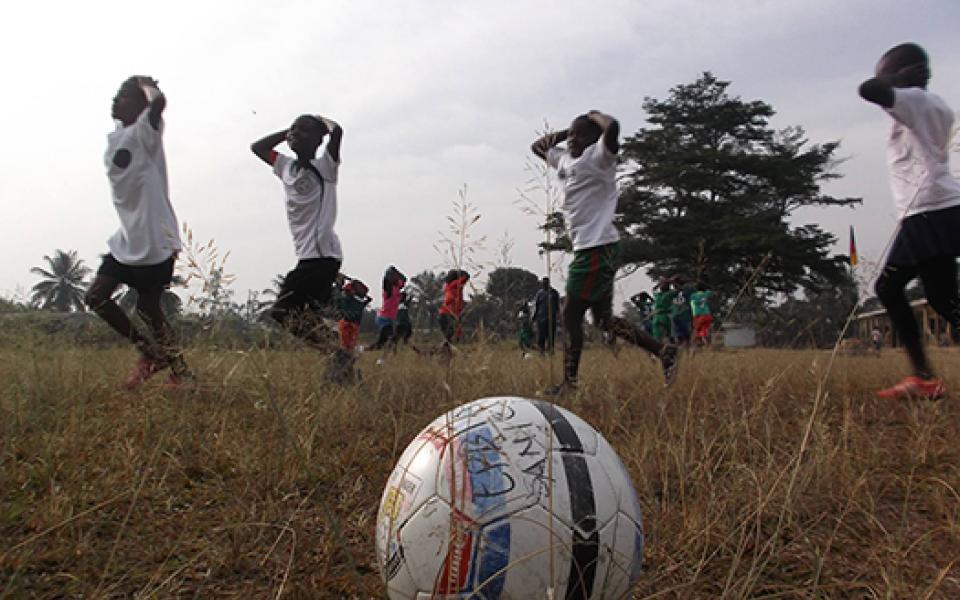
591, 274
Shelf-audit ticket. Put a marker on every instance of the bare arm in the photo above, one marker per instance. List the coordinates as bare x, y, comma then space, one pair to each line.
264, 146
541, 146
336, 137
611, 129
879, 89
156, 101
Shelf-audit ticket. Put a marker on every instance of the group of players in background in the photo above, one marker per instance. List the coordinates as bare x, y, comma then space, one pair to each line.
143, 251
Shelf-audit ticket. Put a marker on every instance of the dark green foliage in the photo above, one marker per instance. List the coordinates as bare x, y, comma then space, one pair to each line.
511, 285
709, 187
425, 298
816, 319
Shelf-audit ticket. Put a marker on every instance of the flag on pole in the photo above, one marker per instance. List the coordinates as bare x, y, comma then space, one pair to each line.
854, 259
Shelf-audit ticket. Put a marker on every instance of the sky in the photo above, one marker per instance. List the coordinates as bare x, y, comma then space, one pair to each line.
432, 96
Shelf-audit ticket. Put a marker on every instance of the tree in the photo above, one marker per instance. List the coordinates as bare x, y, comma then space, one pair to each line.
427, 297
708, 190
62, 286
817, 319
511, 285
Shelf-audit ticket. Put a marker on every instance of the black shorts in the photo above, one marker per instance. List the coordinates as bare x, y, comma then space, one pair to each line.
146, 278
309, 285
933, 234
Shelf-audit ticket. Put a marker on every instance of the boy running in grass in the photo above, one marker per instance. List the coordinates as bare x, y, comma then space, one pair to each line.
351, 304
452, 308
644, 303
587, 171
546, 314
393, 282
927, 197
404, 326
663, 297
702, 317
310, 190
143, 250
524, 329
681, 314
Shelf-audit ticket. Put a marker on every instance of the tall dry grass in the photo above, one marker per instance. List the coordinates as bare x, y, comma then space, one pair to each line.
755, 480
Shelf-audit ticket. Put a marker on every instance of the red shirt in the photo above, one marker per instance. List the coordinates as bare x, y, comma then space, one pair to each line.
453, 297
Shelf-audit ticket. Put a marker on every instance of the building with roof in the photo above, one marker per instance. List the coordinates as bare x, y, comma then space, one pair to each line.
934, 328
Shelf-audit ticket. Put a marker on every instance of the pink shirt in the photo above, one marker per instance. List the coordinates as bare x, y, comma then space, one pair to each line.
391, 304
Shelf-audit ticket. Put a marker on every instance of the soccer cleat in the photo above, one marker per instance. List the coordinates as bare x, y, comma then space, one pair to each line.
145, 369
669, 360
915, 387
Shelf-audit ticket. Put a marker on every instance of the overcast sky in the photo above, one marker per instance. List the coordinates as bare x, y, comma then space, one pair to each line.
432, 95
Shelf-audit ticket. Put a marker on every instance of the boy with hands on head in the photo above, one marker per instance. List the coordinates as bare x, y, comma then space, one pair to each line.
927, 197
587, 172
144, 248
310, 191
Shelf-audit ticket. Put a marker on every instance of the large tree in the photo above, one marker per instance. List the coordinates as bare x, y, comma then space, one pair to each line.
510, 286
708, 190
63, 285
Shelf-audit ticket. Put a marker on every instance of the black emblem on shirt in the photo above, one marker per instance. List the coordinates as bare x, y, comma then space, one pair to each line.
304, 185
122, 158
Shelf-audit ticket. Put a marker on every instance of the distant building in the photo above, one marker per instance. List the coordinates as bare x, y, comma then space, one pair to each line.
737, 335
934, 329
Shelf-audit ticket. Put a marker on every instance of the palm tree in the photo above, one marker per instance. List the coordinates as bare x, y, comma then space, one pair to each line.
62, 286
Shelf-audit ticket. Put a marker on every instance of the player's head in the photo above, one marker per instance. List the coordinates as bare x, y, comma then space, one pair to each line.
359, 288
129, 101
583, 132
906, 55
305, 135
545, 283
701, 287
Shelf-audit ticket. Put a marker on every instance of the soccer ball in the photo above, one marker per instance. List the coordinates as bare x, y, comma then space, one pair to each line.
509, 498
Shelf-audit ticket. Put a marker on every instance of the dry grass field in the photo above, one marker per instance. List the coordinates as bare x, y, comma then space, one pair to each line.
759, 477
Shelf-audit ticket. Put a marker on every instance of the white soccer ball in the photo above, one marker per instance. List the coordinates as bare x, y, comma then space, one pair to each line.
509, 498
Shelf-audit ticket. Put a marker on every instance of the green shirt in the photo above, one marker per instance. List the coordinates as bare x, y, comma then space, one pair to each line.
351, 307
403, 315
699, 304
663, 302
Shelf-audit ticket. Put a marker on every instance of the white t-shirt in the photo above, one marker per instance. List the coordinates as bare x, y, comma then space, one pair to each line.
918, 153
311, 205
148, 233
589, 194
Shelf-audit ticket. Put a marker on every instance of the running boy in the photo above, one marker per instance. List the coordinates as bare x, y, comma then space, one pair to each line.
663, 297
393, 282
310, 189
404, 326
351, 304
587, 171
927, 197
143, 250
452, 307
702, 317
